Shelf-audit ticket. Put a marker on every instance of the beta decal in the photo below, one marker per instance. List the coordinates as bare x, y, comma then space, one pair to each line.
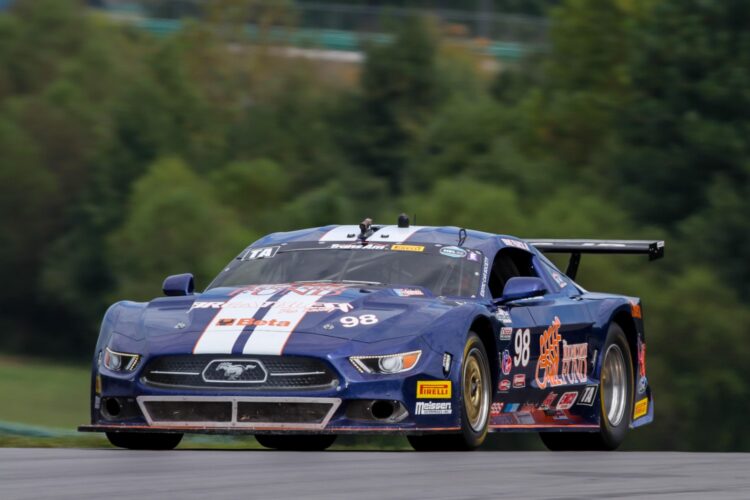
364, 319
260, 253
250, 322
433, 408
567, 400
454, 252
434, 389
507, 363
408, 248
506, 332
503, 385
641, 408
519, 381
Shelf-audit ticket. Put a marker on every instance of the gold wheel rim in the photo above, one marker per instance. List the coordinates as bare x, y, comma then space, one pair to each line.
474, 392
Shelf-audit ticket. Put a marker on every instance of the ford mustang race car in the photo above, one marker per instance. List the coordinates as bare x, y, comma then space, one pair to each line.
441, 334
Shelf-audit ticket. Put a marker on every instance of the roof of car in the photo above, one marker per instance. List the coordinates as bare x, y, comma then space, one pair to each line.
442, 235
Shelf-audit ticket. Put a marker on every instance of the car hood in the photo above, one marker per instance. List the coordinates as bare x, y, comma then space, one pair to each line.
276, 317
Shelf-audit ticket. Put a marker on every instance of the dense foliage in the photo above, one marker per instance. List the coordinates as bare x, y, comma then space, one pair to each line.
125, 158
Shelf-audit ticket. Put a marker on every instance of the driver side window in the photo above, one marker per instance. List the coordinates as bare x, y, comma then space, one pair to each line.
509, 263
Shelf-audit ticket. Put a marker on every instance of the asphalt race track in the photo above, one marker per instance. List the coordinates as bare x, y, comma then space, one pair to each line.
113, 474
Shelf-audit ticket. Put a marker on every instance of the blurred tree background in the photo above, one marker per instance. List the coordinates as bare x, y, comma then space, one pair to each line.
125, 157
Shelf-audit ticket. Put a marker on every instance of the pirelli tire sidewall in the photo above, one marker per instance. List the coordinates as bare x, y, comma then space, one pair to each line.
612, 435
472, 438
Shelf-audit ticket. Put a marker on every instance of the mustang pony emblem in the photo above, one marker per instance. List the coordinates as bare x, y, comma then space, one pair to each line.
233, 371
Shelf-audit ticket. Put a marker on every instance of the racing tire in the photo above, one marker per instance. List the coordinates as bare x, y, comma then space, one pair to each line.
144, 440
475, 400
616, 393
296, 442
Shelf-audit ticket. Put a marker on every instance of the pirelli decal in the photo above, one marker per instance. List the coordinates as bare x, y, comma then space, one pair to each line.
434, 389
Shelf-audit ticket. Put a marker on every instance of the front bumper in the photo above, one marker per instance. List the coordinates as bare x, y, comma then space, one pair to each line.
349, 406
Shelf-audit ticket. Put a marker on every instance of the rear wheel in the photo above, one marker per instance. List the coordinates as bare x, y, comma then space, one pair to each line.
476, 390
616, 397
144, 440
296, 442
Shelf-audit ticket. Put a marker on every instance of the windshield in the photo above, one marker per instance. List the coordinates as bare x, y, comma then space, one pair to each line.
449, 271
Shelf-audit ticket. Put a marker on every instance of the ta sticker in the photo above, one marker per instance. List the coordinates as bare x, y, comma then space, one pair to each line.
261, 253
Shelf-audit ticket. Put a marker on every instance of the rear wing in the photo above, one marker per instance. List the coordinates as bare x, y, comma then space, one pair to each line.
654, 249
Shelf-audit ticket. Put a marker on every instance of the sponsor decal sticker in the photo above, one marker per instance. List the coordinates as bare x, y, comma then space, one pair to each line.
502, 315
560, 415
503, 385
454, 252
588, 395
506, 332
358, 246
363, 319
521, 344
510, 408
547, 403
525, 418
519, 381
507, 362
433, 408
641, 408
250, 322
496, 409
408, 292
515, 243
505, 419
642, 381
260, 253
635, 310
434, 389
408, 248
574, 359
473, 256
549, 356
485, 274
559, 280
567, 400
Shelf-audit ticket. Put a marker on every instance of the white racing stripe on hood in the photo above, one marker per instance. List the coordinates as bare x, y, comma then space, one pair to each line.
393, 234
286, 313
217, 339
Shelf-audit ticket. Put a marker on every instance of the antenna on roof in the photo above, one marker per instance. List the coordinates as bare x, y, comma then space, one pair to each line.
461, 236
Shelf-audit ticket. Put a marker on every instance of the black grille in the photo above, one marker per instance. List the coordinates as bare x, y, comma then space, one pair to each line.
240, 372
189, 411
282, 412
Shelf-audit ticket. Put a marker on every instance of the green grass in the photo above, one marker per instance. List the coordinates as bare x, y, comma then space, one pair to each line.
42, 393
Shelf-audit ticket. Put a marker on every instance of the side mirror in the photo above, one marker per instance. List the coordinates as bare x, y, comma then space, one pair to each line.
522, 287
178, 285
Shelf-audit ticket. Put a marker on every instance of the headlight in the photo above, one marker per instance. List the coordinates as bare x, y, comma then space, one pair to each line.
120, 361
388, 363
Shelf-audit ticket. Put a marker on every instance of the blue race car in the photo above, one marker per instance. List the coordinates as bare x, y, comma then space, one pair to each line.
438, 333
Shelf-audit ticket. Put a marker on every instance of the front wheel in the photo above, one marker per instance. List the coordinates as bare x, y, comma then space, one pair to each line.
476, 394
296, 442
616, 396
144, 440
